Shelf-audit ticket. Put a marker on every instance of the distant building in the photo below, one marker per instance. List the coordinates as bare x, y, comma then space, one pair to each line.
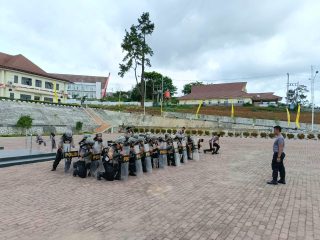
22, 79
80, 86
226, 94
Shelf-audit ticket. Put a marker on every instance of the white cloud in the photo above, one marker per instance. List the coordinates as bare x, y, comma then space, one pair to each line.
210, 41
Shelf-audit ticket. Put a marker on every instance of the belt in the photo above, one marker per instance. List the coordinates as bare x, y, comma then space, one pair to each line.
162, 152
126, 158
147, 154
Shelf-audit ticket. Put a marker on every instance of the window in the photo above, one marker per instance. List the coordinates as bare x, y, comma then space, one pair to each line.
25, 97
57, 86
48, 85
38, 83
36, 98
26, 81
11, 95
16, 79
46, 99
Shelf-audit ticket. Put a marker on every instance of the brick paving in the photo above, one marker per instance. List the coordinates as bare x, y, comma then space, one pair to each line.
219, 197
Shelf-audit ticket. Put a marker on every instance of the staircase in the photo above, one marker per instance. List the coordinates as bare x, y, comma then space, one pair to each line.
8, 161
103, 126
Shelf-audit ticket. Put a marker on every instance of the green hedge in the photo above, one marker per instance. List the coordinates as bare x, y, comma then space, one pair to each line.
230, 134
263, 135
271, 135
290, 135
310, 136
246, 134
301, 136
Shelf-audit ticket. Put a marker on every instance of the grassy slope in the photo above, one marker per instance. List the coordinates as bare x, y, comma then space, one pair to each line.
245, 112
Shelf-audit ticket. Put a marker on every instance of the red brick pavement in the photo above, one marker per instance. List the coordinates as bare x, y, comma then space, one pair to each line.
219, 197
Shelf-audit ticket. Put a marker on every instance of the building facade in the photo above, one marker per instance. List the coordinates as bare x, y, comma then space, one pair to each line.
227, 94
80, 86
22, 79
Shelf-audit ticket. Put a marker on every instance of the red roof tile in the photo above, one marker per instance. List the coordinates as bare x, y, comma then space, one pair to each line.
227, 90
23, 64
216, 91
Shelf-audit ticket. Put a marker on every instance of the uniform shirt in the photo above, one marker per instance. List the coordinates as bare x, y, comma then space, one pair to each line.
279, 140
97, 147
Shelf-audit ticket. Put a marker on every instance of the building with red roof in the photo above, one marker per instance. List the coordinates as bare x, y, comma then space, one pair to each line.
226, 94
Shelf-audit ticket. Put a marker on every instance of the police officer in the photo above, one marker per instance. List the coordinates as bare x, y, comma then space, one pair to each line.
66, 142
97, 149
85, 153
108, 164
277, 159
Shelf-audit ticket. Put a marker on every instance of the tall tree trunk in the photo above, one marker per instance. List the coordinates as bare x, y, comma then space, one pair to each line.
142, 73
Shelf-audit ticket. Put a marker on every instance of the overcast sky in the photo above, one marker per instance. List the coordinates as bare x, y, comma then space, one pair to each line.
206, 40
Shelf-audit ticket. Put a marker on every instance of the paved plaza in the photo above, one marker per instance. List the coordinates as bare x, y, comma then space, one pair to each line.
220, 197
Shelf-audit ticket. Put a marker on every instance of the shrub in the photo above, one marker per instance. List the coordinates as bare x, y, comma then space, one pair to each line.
24, 122
290, 135
157, 131
215, 133
141, 130
152, 130
163, 130
222, 133
230, 134
246, 134
310, 136
174, 131
79, 126
169, 131
284, 135
263, 135
207, 133
135, 130
200, 132
301, 136
188, 132
194, 132
318, 136
237, 134
271, 135
254, 134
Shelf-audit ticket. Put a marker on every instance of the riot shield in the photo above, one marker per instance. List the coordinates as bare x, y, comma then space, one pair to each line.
138, 163
176, 154
195, 152
163, 155
125, 163
67, 160
184, 151
148, 158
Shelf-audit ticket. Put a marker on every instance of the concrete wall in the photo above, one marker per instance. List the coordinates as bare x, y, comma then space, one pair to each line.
45, 116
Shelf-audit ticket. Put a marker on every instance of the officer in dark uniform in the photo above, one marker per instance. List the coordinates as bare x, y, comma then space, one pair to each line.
85, 153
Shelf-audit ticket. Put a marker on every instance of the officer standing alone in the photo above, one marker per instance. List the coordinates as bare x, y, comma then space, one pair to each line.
278, 157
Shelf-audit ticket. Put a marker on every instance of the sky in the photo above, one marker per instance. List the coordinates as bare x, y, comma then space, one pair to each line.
212, 41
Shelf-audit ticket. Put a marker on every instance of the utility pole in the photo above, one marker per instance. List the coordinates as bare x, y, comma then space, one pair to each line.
288, 89
161, 95
313, 76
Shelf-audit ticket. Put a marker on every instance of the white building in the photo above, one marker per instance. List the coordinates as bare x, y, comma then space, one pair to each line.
89, 86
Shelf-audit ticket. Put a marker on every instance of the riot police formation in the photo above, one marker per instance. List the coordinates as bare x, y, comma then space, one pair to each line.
129, 155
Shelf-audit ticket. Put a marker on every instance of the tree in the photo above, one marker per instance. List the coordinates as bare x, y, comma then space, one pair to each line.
137, 51
187, 87
298, 96
154, 86
24, 122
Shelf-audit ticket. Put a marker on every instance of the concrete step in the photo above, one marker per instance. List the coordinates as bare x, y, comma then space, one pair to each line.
26, 159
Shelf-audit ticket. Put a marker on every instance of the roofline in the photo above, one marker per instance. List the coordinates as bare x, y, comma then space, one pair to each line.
34, 73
